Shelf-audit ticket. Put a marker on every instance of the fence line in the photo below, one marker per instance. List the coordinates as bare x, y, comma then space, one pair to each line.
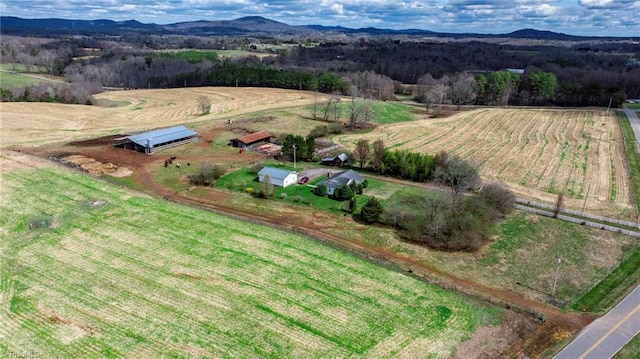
327, 149
578, 221
580, 214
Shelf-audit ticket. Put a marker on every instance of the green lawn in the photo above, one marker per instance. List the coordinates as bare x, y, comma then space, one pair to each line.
393, 112
384, 112
133, 276
245, 180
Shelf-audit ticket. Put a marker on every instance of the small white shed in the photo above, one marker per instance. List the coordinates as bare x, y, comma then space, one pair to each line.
279, 177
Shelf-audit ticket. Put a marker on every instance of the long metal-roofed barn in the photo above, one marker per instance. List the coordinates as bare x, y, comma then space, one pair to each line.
150, 141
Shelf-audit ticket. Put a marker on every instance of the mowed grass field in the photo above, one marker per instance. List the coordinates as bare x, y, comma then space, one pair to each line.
537, 152
18, 75
132, 276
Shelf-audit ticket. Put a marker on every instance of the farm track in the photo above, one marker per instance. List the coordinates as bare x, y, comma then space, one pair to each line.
419, 269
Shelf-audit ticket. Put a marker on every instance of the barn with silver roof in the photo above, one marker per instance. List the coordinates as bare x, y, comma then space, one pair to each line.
151, 141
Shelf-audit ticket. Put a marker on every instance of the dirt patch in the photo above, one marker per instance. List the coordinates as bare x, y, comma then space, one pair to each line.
497, 341
99, 141
95, 167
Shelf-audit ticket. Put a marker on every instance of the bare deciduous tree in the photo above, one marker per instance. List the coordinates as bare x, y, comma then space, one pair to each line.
355, 112
316, 99
498, 196
378, 154
459, 175
361, 151
463, 89
267, 187
332, 103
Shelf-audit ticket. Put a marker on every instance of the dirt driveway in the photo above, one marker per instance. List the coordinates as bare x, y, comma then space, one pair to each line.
314, 173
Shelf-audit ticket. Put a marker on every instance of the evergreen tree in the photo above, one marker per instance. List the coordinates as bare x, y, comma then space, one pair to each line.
371, 211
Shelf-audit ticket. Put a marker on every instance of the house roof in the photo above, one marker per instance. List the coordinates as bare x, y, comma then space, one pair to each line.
161, 135
253, 137
343, 157
275, 173
342, 178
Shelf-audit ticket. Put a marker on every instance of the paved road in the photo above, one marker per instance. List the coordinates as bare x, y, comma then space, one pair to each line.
635, 122
604, 337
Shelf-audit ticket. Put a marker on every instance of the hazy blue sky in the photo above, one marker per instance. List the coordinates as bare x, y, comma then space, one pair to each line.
577, 17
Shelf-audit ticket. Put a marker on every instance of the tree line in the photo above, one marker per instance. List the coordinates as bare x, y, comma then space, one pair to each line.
450, 72
460, 220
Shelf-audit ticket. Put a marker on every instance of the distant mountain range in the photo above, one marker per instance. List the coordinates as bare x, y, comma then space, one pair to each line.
246, 26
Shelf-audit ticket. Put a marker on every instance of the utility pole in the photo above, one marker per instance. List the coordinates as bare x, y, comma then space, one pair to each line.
555, 279
294, 156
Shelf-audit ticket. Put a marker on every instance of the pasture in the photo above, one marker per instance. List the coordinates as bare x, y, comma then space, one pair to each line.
10, 80
539, 153
93, 270
18, 75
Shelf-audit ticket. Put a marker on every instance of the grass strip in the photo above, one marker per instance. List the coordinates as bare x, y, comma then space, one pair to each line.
613, 287
632, 157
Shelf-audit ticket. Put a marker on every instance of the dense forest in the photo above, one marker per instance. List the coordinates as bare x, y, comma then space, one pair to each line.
435, 72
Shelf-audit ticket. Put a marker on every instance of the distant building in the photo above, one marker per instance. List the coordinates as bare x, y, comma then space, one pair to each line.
251, 139
516, 71
279, 177
151, 141
341, 179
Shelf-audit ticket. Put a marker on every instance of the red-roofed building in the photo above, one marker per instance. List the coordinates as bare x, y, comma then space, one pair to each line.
251, 139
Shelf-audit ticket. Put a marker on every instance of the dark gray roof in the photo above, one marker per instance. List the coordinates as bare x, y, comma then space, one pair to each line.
275, 173
342, 178
162, 135
343, 157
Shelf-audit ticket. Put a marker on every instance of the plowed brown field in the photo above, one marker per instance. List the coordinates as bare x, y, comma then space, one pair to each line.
538, 153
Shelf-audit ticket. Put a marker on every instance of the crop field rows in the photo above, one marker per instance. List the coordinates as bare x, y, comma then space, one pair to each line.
536, 152
37, 123
139, 277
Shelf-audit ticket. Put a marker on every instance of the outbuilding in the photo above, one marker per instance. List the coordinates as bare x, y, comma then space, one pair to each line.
278, 177
340, 160
251, 139
151, 141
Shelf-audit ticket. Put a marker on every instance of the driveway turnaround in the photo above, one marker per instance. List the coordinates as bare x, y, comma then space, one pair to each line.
604, 337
